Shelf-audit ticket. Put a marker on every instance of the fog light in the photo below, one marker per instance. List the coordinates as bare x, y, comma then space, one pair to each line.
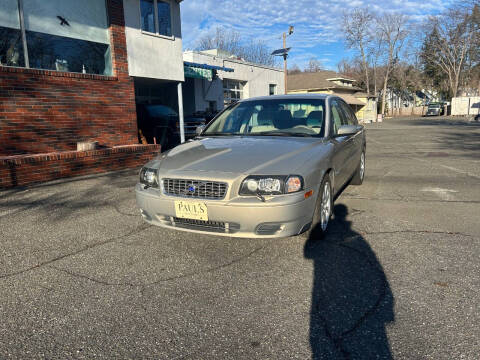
269, 229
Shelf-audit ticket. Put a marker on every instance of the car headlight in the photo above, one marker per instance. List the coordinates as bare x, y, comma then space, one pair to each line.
149, 177
271, 185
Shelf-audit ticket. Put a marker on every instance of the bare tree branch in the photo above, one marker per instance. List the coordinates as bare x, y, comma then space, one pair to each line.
357, 26
392, 32
230, 41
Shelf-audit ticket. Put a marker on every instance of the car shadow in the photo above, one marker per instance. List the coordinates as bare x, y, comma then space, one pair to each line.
351, 298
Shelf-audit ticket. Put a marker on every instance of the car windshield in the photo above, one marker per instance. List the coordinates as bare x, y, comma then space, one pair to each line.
434, 106
272, 117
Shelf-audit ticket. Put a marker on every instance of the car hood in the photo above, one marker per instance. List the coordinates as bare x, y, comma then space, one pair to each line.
239, 155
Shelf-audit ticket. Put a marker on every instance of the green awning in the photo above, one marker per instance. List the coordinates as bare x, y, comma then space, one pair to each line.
202, 71
198, 73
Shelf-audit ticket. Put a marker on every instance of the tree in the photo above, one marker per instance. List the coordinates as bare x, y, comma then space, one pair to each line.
352, 68
314, 65
357, 26
294, 69
375, 51
434, 75
450, 46
392, 33
473, 74
220, 38
230, 41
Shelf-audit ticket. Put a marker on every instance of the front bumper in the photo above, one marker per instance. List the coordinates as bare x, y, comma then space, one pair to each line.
238, 217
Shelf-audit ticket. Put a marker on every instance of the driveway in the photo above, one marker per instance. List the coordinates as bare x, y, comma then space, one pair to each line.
398, 276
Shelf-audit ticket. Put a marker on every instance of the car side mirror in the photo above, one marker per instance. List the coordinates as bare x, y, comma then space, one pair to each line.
199, 129
345, 130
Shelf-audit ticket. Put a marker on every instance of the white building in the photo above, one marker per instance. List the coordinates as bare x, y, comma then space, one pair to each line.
154, 50
214, 79
154, 39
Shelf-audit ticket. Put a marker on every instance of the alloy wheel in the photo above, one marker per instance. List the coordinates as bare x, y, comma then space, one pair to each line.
326, 208
362, 166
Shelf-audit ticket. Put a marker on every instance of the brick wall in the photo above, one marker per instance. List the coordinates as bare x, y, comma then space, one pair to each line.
44, 111
21, 170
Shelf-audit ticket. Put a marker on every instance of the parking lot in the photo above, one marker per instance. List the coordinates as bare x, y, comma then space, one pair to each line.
398, 275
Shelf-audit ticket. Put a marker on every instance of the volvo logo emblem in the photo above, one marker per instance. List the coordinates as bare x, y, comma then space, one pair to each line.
191, 189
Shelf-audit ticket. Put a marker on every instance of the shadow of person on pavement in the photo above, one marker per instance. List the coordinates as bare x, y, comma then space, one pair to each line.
351, 298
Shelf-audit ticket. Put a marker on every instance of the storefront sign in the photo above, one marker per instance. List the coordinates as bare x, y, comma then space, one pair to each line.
198, 73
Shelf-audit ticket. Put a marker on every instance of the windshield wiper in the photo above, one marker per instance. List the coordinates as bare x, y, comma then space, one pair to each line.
280, 133
219, 134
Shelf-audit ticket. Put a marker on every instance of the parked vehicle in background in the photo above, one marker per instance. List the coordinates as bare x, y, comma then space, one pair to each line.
264, 167
434, 109
161, 124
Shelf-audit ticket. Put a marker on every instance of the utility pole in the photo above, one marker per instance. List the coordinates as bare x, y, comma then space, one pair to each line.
284, 53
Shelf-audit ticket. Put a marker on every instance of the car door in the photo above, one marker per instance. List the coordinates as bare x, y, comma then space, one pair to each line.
342, 145
356, 140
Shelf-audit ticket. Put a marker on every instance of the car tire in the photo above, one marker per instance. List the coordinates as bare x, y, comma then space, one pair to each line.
323, 211
359, 174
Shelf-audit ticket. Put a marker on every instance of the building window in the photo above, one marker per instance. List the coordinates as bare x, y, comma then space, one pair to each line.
232, 91
147, 10
164, 18
11, 48
156, 17
62, 35
272, 89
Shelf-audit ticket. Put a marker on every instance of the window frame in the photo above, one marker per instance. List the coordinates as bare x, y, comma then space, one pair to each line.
156, 23
240, 91
274, 89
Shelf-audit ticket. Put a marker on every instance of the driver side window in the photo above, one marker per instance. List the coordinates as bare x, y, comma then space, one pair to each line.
349, 114
337, 116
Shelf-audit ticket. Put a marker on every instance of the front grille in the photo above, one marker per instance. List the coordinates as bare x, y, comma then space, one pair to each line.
212, 226
195, 188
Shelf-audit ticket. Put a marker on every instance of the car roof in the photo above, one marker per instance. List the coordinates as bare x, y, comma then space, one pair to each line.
291, 96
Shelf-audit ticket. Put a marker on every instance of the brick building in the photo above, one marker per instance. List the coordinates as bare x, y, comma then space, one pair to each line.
72, 71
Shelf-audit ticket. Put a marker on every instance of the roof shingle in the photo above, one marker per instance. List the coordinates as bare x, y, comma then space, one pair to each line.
317, 80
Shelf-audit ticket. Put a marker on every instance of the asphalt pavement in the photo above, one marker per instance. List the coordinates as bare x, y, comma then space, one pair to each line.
398, 275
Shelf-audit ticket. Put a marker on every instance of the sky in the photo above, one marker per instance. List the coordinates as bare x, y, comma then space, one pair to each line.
317, 23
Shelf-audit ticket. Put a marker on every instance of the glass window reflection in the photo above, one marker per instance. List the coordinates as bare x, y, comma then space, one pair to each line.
148, 15
164, 18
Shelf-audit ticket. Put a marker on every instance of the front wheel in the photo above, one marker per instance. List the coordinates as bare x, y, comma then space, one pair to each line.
323, 210
359, 174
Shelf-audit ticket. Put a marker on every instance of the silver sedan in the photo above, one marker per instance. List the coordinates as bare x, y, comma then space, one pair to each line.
264, 167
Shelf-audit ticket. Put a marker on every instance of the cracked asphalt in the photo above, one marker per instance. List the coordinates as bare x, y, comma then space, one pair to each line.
398, 275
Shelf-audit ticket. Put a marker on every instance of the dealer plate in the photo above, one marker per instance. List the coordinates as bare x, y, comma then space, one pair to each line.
191, 210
